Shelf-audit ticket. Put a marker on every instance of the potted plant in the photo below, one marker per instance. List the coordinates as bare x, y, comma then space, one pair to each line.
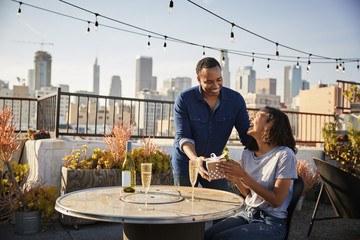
34, 199
353, 96
149, 152
309, 176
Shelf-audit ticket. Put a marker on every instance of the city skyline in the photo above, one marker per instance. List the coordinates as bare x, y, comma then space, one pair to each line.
73, 51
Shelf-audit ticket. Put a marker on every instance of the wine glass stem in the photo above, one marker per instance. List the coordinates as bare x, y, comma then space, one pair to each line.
192, 196
145, 199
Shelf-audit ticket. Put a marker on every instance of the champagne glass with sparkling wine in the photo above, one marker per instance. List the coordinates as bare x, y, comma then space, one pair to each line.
146, 169
193, 173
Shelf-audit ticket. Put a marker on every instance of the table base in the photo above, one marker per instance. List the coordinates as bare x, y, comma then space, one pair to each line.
179, 231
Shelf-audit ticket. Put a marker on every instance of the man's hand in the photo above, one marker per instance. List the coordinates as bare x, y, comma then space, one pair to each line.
203, 173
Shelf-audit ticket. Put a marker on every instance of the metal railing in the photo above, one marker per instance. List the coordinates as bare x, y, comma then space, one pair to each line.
87, 115
343, 103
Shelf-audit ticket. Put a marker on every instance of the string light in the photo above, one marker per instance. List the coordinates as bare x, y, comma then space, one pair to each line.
164, 46
19, 10
268, 65
148, 43
297, 64
253, 59
203, 52
96, 22
159, 35
88, 28
232, 33
337, 66
171, 5
343, 68
307, 69
277, 52
358, 67
309, 62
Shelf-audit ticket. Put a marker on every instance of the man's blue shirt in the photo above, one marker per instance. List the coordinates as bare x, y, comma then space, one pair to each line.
209, 130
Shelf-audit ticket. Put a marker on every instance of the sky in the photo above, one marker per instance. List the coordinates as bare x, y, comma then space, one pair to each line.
323, 27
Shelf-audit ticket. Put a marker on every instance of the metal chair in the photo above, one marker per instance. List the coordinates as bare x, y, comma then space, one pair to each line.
342, 191
298, 189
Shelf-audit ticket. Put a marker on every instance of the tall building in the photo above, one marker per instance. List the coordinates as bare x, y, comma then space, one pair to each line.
144, 78
292, 83
245, 81
178, 83
96, 77
266, 86
115, 87
31, 82
224, 63
42, 69
305, 85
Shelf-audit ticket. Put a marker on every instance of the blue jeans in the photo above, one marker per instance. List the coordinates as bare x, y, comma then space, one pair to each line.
181, 180
242, 226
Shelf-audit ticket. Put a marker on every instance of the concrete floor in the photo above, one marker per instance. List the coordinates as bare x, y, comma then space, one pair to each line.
344, 229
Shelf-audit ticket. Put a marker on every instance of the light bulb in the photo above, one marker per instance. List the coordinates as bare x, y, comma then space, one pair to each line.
307, 69
337, 68
88, 28
171, 5
277, 52
96, 22
297, 64
253, 59
358, 67
19, 10
223, 61
343, 68
203, 52
232, 33
268, 65
309, 62
148, 43
164, 46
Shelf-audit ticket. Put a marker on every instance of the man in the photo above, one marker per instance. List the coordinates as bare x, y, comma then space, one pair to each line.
204, 118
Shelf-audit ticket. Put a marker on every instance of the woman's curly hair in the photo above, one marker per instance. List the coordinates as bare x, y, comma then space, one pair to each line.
277, 132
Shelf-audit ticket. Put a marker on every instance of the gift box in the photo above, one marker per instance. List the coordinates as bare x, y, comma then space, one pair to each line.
213, 172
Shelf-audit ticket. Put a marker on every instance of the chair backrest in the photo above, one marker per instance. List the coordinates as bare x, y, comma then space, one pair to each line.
342, 189
298, 188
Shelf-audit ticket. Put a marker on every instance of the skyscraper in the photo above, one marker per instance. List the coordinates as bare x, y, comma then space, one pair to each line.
266, 86
96, 77
31, 82
144, 77
224, 63
245, 80
42, 63
292, 83
115, 87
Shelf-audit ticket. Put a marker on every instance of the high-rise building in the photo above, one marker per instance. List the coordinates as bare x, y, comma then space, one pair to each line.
144, 78
292, 83
266, 86
115, 87
305, 85
224, 63
31, 82
178, 83
96, 77
42, 69
245, 81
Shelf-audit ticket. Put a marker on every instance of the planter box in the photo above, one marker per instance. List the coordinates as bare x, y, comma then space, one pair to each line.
74, 180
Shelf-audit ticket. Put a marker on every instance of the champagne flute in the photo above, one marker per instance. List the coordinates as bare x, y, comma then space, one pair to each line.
193, 173
146, 169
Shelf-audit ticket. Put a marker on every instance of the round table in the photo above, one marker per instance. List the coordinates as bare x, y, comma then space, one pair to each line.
173, 217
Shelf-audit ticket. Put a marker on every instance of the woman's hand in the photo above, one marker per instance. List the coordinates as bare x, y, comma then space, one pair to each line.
233, 170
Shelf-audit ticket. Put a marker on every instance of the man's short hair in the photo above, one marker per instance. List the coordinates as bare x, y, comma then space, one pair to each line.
207, 62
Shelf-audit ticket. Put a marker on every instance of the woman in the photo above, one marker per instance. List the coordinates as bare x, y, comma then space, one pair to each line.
264, 176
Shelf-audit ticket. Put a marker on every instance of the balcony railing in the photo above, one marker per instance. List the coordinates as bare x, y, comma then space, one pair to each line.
87, 115
344, 104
